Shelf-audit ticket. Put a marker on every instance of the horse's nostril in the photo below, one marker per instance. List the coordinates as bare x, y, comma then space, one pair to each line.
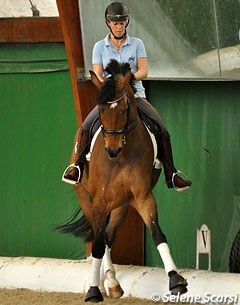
113, 153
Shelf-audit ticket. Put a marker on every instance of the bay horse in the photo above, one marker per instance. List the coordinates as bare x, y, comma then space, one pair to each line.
120, 174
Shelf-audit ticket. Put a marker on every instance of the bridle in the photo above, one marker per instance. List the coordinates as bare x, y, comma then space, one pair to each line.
128, 126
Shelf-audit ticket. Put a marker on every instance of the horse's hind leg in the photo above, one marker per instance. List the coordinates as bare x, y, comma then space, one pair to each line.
114, 289
116, 219
148, 211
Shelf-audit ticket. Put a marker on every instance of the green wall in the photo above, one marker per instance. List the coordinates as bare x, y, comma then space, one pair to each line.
199, 115
38, 122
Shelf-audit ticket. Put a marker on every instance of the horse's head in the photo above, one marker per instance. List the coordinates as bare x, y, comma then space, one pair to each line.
117, 111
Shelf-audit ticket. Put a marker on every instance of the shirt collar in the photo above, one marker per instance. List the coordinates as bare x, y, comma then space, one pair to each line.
107, 41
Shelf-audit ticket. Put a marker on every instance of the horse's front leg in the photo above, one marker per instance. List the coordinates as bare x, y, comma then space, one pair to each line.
98, 248
147, 208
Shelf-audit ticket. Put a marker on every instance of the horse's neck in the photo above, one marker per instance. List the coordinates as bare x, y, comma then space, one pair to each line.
136, 139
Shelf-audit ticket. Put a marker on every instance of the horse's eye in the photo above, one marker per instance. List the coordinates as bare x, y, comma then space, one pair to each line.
101, 110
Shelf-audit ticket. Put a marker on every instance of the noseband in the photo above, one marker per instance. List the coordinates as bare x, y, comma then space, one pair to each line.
127, 126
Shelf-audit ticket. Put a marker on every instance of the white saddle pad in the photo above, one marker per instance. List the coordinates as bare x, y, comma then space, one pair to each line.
88, 156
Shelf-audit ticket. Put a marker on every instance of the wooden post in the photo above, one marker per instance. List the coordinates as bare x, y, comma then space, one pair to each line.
129, 246
70, 22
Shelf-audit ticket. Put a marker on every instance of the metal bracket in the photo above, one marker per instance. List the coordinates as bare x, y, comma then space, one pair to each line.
81, 74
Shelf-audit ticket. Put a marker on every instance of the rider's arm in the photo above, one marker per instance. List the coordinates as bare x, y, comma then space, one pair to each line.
142, 71
98, 69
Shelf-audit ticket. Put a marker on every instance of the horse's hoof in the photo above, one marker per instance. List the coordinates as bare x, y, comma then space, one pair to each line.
94, 295
115, 292
177, 284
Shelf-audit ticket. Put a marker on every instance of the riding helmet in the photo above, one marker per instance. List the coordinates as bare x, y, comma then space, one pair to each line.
117, 11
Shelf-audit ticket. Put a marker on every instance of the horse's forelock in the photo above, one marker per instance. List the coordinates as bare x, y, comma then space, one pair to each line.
114, 68
109, 88
107, 92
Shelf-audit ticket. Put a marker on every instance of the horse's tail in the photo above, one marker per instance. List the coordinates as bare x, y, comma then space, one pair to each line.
79, 227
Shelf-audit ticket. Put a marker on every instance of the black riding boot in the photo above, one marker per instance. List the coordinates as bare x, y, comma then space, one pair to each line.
73, 172
172, 179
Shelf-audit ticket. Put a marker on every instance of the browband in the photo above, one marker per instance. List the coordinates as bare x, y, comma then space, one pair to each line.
119, 99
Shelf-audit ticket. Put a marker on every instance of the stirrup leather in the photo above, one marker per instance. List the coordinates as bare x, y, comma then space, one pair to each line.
73, 182
179, 189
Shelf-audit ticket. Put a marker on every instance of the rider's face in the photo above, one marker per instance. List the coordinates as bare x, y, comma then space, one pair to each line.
118, 28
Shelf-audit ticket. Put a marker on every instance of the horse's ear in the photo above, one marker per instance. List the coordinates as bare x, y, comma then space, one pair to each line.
128, 76
95, 80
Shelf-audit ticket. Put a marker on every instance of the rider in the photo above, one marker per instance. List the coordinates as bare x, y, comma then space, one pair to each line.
120, 46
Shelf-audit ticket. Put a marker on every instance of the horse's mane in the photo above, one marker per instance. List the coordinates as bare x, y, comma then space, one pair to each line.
108, 90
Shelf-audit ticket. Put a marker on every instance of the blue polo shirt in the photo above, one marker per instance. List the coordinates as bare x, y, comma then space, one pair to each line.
131, 50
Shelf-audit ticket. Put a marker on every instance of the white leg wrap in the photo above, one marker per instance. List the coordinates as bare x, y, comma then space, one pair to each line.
107, 260
94, 279
102, 280
166, 257
102, 275
109, 270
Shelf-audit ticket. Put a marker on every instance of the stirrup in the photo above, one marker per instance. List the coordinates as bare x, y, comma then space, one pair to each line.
73, 182
179, 189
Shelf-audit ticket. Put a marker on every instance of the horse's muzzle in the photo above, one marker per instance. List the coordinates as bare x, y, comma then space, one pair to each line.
113, 153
